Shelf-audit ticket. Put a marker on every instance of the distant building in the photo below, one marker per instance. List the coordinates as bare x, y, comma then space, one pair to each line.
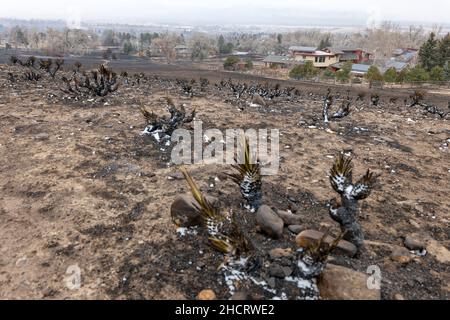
182, 51
358, 69
319, 58
409, 55
274, 61
354, 55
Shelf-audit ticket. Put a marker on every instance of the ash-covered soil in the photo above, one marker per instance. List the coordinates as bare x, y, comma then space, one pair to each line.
80, 186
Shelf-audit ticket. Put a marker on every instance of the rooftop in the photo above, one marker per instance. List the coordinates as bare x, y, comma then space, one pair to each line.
303, 49
280, 59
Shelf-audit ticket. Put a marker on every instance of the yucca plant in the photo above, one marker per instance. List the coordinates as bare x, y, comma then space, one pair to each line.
345, 212
313, 258
248, 177
375, 99
344, 110
327, 103
223, 232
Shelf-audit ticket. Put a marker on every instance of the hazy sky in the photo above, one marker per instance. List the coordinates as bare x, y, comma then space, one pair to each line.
289, 12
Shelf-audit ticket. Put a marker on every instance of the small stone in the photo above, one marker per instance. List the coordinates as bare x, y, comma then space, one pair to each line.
399, 297
176, 176
22, 262
269, 222
295, 229
413, 244
207, 295
289, 218
240, 296
41, 137
183, 212
308, 237
280, 253
401, 255
339, 283
275, 270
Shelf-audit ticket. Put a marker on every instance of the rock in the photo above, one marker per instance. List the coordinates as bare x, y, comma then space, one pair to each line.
22, 262
41, 137
183, 211
175, 176
240, 296
399, 297
437, 250
401, 255
295, 229
339, 283
269, 222
206, 295
258, 100
275, 270
308, 237
289, 218
414, 244
280, 253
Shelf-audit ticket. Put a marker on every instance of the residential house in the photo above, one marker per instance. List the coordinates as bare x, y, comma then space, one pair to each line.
354, 55
319, 58
182, 51
358, 70
283, 62
409, 55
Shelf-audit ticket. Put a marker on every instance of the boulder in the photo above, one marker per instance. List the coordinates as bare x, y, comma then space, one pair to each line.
339, 283
289, 218
414, 244
401, 255
183, 211
269, 222
308, 237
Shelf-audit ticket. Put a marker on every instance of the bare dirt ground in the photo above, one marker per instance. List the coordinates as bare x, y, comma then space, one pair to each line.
79, 185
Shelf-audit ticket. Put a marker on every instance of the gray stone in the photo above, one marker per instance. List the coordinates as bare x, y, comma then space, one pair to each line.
269, 222
41, 137
295, 229
414, 244
289, 218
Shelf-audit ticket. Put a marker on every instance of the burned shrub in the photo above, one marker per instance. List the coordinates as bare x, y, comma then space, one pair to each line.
204, 83
50, 66
161, 129
344, 110
11, 77
417, 100
97, 83
77, 67
31, 76
375, 100
248, 177
30, 62
14, 61
345, 211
